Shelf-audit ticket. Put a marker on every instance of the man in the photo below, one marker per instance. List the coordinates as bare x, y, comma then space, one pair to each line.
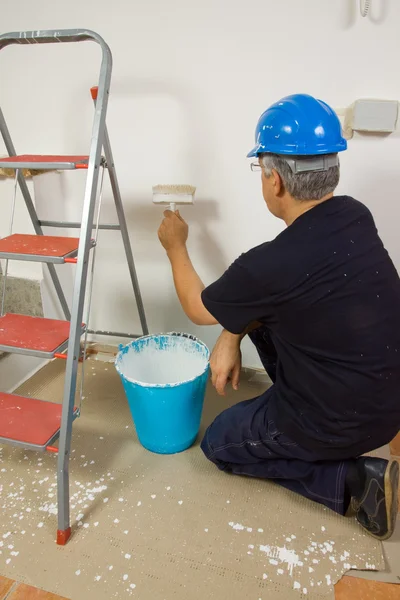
321, 302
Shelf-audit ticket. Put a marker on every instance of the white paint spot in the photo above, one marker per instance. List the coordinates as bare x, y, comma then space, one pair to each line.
280, 571
296, 585
283, 555
132, 586
96, 524
265, 576
105, 500
328, 580
40, 525
110, 568
249, 529
323, 528
236, 526
206, 530
78, 572
125, 577
304, 590
180, 501
116, 520
153, 496
260, 530
168, 488
97, 578
310, 570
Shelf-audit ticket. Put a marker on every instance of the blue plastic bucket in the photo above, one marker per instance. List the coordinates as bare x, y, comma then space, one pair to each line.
164, 378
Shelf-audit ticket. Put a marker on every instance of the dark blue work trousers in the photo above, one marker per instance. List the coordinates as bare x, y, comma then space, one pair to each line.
244, 440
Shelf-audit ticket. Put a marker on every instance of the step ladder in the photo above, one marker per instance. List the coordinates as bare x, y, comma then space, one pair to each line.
31, 423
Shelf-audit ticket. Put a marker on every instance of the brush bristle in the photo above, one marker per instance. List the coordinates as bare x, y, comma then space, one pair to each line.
174, 189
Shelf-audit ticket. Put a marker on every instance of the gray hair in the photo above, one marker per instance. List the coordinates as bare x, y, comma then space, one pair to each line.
305, 185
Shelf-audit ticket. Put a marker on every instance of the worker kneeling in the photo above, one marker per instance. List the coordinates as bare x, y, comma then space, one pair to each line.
321, 302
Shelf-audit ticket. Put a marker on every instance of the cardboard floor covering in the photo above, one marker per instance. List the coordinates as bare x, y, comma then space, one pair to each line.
157, 527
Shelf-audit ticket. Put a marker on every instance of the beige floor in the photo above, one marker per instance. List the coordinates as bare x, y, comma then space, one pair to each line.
163, 527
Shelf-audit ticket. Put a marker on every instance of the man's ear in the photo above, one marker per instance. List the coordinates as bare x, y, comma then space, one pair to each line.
277, 183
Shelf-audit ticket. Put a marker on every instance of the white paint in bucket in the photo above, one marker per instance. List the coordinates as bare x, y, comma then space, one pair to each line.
180, 360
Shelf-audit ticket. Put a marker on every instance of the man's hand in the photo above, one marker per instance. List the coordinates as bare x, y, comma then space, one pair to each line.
173, 231
226, 361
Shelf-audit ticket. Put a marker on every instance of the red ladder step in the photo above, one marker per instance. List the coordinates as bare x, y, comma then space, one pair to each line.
34, 336
39, 248
45, 161
33, 424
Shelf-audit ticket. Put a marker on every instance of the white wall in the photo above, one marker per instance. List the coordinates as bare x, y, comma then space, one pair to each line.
190, 80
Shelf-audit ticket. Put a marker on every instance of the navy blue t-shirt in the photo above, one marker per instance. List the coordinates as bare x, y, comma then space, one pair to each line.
328, 292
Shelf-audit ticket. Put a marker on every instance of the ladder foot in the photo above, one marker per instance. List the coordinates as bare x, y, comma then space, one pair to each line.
63, 536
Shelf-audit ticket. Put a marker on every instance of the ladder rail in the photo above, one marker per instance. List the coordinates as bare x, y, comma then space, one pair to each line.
50, 36
122, 222
124, 232
71, 372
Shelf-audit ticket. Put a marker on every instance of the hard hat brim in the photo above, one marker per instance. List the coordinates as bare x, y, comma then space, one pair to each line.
254, 152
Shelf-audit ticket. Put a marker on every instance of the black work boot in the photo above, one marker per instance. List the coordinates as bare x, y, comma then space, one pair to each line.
372, 484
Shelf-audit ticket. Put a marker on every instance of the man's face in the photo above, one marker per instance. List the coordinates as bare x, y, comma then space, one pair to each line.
269, 190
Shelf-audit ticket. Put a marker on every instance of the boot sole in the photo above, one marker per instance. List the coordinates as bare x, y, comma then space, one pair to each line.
391, 483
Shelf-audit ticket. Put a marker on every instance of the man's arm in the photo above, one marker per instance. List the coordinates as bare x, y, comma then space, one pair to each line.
189, 287
173, 234
226, 359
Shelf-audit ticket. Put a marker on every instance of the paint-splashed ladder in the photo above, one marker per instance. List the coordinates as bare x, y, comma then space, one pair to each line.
26, 422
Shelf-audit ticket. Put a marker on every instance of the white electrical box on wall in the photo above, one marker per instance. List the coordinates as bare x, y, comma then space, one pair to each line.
379, 116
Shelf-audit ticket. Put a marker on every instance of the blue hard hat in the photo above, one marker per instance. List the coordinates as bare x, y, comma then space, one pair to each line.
300, 125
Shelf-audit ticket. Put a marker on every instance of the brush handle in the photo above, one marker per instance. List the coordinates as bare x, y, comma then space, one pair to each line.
172, 206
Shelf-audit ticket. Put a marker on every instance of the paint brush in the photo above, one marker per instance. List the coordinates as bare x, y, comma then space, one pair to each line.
173, 195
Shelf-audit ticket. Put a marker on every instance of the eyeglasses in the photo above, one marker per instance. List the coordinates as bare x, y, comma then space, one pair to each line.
255, 167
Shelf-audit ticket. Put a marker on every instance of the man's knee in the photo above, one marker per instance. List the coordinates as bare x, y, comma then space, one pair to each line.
208, 448
205, 445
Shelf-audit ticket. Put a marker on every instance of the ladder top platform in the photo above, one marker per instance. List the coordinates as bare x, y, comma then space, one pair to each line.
34, 336
28, 422
44, 161
42, 248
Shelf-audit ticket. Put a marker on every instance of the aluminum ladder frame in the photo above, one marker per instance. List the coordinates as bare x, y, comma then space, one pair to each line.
99, 140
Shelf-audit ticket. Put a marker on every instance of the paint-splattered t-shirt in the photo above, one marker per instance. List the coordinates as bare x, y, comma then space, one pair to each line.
328, 292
